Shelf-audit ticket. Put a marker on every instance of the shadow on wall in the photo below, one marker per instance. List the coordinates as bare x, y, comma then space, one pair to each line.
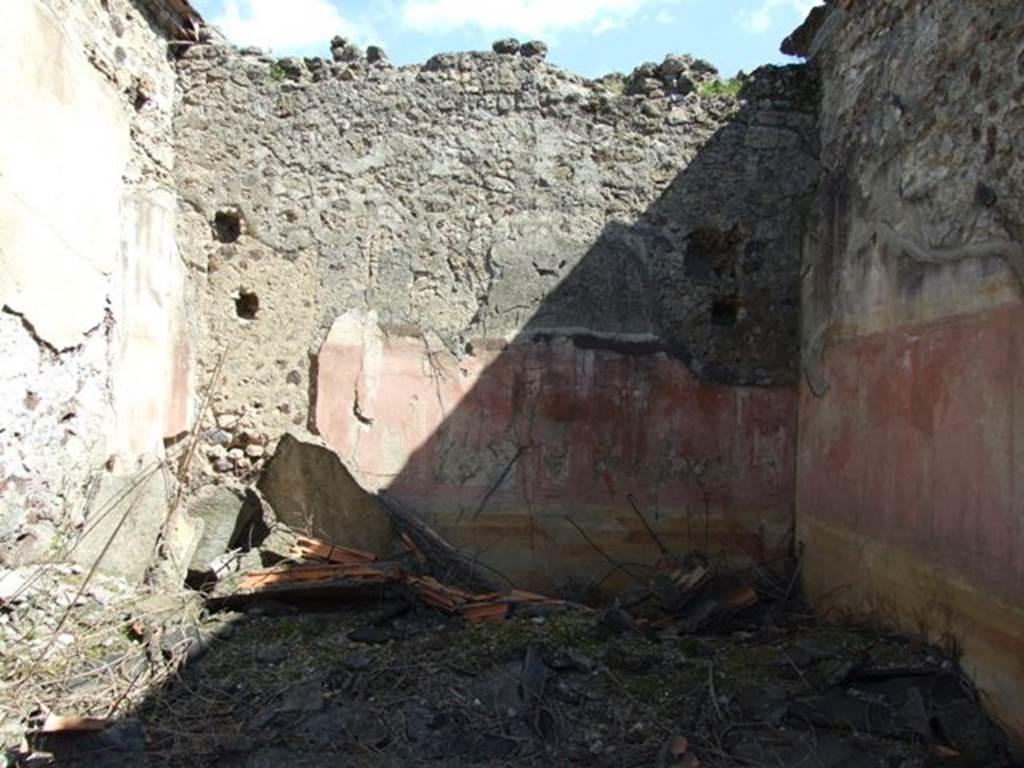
659, 372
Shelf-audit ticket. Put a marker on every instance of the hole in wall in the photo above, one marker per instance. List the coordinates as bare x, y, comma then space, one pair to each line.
984, 195
247, 304
141, 98
227, 225
727, 312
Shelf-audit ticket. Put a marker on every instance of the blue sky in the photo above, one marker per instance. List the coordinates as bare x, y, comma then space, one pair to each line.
591, 37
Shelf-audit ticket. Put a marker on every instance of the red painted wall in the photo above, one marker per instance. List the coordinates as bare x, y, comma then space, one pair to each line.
909, 489
586, 428
916, 443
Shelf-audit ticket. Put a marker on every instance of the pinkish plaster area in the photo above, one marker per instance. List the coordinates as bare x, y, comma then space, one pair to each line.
504, 450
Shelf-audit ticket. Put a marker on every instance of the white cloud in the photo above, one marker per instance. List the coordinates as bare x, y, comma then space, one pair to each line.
665, 18
296, 26
606, 25
536, 18
769, 13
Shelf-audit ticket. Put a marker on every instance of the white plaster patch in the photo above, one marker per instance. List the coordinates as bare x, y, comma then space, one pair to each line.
63, 154
151, 395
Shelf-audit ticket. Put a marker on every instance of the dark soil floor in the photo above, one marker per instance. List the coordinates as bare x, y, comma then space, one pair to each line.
393, 684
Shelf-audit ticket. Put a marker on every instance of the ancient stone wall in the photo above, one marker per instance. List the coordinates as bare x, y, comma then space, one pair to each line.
541, 311
507, 294
95, 330
909, 492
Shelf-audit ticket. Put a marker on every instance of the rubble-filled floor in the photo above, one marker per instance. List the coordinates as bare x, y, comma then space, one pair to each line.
389, 682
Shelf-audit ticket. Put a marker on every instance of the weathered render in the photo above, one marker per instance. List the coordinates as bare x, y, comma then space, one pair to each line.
97, 309
910, 504
506, 294
537, 310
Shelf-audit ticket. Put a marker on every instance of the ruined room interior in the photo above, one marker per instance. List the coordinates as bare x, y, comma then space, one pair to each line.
478, 413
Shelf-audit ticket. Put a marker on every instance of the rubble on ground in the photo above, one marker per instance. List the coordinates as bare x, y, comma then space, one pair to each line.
394, 648
395, 683
284, 666
82, 647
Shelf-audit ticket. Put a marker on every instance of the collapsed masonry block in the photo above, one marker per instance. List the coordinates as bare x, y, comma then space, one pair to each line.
123, 524
311, 490
230, 518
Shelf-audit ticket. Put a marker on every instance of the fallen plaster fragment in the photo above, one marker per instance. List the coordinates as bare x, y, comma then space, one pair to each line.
310, 489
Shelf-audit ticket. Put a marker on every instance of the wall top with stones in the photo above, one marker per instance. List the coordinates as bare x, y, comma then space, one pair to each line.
176, 18
490, 198
653, 88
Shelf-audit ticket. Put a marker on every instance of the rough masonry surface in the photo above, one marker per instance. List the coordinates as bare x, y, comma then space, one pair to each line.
493, 197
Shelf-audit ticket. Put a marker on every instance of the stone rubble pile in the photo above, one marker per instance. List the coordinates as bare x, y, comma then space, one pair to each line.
235, 446
84, 644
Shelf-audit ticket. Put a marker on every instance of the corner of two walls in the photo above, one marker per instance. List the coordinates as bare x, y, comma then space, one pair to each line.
909, 495
97, 322
482, 308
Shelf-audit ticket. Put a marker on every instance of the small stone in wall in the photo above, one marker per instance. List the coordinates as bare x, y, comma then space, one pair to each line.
648, 69
12, 587
654, 108
343, 50
507, 46
142, 94
218, 437
684, 85
228, 421
290, 68
248, 436
534, 49
704, 67
317, 68
673, 66
255, 451
212, 35
647, 86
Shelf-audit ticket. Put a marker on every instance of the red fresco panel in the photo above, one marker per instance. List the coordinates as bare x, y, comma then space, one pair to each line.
914, 443
590, 427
